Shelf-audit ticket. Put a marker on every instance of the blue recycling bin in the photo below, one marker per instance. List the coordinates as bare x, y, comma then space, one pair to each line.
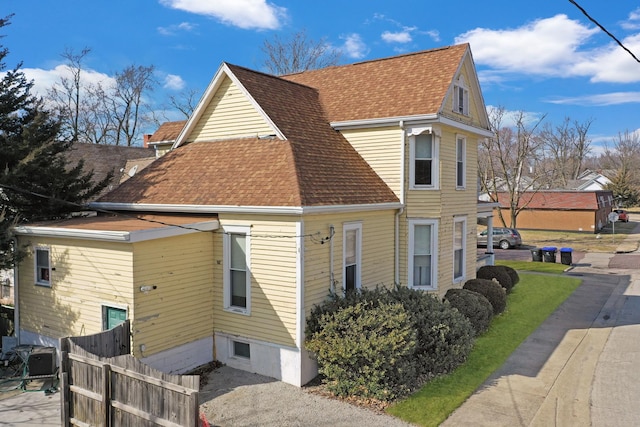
549, 253
566, 256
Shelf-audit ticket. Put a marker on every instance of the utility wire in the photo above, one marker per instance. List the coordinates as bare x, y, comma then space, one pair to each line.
603, 29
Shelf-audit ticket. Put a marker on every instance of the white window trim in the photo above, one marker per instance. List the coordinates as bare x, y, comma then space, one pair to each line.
460, 85
463, 220
104, 306
435, 170
234, 229
434, 252
348, 227
48, 283
464, 161
232, 349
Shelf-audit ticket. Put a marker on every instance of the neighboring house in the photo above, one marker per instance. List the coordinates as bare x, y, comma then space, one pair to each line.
589, 181
164, 137
102, 159
277, 191
560, 210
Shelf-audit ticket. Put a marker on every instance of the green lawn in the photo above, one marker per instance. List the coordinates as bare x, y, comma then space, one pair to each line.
530, 303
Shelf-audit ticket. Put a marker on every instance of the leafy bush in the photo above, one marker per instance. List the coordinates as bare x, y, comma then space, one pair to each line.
445, 336
476, 307
364, 348
497, 272
491, 290
515, 278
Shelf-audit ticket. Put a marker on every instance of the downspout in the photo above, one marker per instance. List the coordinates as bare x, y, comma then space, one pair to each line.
402, 198
331, 275
16, 300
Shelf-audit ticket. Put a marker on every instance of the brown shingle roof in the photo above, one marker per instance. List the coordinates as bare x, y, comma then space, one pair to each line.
406, 85
168, 131
559, 200
103, 159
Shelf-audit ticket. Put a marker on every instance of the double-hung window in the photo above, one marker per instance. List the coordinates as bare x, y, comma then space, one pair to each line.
423, 269
461, 97
459, 245
237, 269
352, 248
461, 152
424, 161
43, 266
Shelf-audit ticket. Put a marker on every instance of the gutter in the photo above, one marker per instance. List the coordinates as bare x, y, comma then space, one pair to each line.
402, 204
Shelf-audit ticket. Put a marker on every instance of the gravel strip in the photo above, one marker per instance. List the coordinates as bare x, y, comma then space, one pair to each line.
237, 398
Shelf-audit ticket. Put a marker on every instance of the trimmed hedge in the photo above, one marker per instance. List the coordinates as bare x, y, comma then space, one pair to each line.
359, 354
515, 277
497, 272
491, 290
476, 307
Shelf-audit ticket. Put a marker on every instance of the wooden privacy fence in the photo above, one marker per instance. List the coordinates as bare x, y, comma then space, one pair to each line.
120, 390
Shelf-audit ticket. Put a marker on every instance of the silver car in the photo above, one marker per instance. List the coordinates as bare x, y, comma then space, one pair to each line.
504, 238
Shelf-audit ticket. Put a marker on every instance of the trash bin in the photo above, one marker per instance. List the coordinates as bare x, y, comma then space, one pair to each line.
549, 253
565, 256
536, 255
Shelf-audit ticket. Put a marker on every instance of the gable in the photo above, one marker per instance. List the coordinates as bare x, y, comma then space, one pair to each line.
229, 114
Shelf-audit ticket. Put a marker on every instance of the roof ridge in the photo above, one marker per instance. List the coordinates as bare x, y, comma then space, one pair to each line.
386, 58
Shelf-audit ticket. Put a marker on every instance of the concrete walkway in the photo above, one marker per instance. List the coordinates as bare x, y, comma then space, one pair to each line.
580, 367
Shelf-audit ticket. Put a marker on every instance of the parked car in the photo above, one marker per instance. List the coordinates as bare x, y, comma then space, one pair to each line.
623, 216
504, 238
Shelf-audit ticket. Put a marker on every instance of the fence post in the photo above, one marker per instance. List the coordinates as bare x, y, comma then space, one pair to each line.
194, 408
106, 394
64, 382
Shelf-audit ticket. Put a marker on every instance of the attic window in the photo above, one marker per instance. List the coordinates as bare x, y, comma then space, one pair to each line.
461, 97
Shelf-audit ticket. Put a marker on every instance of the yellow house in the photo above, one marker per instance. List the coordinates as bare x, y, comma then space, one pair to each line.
276, 192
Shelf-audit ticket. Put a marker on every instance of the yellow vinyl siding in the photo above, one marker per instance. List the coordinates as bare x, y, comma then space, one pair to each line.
382, 149
179, 310
378, 247
87, 274
230, 115
273, 281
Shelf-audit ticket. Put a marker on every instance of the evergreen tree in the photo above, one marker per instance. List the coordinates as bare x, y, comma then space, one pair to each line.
35, 181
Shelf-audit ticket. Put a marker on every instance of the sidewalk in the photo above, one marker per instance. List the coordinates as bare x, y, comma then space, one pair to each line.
579, 368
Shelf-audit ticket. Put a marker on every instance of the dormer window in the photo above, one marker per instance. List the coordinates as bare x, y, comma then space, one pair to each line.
461, 97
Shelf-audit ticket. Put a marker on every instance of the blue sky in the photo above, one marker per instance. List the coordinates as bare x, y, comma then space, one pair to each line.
542, 57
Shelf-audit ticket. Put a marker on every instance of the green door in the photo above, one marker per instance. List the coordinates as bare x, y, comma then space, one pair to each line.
114, 316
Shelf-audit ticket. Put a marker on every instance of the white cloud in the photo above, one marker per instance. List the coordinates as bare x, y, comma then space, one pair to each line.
173, 29
545, 46
44, 80
604, 99
246, 14
553, 47
353, 46
173, 82
399, 37
633, 23
511, 117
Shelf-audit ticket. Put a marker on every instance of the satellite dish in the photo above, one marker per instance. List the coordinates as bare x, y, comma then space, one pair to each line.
133, 170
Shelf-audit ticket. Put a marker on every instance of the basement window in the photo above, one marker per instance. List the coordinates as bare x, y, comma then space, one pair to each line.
241, 349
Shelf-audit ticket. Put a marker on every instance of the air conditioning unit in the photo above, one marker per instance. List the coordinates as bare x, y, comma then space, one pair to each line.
42, 361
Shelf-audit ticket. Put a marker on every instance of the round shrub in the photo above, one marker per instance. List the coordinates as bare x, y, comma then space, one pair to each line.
515, 278
497, 272
444, 335
474, 306
491, 290
366, 350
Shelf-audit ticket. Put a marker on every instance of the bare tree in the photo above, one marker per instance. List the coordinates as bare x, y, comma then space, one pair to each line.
107, 112
298, 53
185, 102
128, 102
565, 149
67, 94
623, 159
507, 162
